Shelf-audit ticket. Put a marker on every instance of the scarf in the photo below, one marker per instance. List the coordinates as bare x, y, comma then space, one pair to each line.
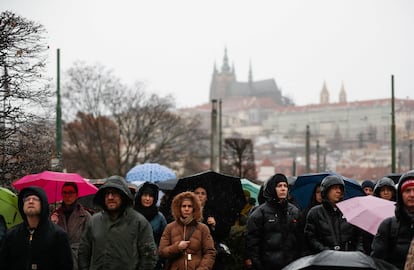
187, 220
148, 212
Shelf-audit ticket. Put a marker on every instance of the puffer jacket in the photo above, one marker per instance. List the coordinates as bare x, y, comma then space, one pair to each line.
319, 234
201, 245
394, 235
47, 249
273, 235
125, 243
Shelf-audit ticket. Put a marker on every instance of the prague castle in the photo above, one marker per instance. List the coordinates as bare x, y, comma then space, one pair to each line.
354, 136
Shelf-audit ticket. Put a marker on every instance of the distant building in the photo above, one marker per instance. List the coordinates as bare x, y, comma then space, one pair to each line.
354, 137
224, 86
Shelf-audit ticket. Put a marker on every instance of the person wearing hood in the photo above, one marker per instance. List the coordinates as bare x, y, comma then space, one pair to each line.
325, 227
368, 187
72, 217
186, 242
385, 189
146, 203
392, 240
36, 243
118, 237
273, 234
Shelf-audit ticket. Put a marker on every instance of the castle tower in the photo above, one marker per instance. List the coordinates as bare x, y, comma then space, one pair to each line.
324, 96
342, 94
221, 81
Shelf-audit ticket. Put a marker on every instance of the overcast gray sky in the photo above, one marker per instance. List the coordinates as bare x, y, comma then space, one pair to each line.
172, 45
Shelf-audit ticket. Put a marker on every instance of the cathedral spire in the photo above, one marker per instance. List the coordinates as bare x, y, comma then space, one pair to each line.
324, 96
225, 67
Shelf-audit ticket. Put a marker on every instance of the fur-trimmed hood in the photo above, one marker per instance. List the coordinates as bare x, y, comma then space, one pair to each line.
176, 206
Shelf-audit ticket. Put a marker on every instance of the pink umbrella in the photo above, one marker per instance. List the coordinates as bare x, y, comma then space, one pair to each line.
52, 183
367, 212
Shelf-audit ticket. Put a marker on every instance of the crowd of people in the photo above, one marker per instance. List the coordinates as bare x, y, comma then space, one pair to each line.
130, 232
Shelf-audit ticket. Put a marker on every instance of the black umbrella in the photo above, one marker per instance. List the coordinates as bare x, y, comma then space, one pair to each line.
332, 259
394, 177
225, 193
167, 185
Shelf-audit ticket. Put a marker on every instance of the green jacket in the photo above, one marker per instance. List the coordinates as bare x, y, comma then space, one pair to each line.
126, 243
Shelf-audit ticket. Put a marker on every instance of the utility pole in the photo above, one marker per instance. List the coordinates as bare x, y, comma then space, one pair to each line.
392, 126
220, 141
307, 149
58, 118
411, 155
317, 157
213, 136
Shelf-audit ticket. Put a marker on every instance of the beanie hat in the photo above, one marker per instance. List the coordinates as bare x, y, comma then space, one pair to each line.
367, 183
406, 184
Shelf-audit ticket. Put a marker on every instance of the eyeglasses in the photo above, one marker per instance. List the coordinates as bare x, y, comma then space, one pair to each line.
68, 192
31, 198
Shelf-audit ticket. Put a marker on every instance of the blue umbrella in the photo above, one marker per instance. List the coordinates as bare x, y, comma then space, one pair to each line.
305, 184
151, 172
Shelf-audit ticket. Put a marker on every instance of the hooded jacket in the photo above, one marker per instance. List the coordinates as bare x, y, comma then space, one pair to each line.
154, 217
273, 234
125, 243
201, 245
394, 235
48, 248
326, 228
383, 182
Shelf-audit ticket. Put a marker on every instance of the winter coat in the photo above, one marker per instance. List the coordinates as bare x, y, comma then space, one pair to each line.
47, 249
74, 227
155, 217
201, 245
394, 235
321, 236
273, 235
125, 243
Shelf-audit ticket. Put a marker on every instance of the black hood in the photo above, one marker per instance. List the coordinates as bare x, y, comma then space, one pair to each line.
269, 192
399, 209
385, 181
115, 182
147, 185
39, 192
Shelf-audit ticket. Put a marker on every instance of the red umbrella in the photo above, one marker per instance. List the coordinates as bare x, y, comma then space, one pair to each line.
52, 183
367, 212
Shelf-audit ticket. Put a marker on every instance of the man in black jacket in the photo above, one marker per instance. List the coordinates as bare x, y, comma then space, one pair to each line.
326, 228
37, 243
273, 235
394, 235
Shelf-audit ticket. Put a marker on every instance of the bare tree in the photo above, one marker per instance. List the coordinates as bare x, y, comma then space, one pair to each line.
24, 89
238, 158
145, 128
